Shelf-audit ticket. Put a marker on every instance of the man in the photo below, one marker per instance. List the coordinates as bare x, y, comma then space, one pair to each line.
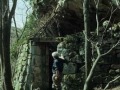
57, 69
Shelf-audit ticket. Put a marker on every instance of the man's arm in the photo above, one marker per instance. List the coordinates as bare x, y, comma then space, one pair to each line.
57, 73
63, 58
57, 70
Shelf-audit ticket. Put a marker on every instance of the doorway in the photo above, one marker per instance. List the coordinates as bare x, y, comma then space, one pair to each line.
43, 62
52, 48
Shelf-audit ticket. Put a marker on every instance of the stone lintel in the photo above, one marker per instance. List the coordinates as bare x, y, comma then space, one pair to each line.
115, 66
47, 39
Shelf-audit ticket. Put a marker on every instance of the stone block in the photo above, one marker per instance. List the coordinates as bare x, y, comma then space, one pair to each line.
117, 51
17, 76
81, 52
97, 68
23, 73
82, 69
69, 68
112, 72
35, 50
36, 85
23, 63
117, 70
25, 47
23, 54
107, 79
23, 68
115, 66
19, 68
65, 70
29, 56
29, 50
97, 79
24, 58
118, 47
19, 61
18, 86
37, 70
21, 78
37, 78
118, 55
37, 60
28, 68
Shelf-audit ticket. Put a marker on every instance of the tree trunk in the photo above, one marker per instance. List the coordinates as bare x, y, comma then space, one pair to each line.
6, 47
87, 35
5, 43
1, 40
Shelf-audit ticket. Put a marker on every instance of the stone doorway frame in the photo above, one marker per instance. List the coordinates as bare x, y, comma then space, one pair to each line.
43, 60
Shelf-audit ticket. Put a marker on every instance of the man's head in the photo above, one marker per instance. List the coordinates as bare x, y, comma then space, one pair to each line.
55, 55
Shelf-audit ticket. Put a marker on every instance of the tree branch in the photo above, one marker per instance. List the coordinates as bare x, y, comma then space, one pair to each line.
112, 11
98, 49
12, 10
111, 82
26, 19
111, 48
15, 27
91, 71
118, 3
97, 5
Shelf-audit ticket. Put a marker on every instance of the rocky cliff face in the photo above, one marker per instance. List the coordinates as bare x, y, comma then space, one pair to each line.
63, 17
66, 17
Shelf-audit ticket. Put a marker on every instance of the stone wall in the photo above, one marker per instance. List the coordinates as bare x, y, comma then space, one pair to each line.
108, 67
22, 67
106, 70
32, 67
30, 70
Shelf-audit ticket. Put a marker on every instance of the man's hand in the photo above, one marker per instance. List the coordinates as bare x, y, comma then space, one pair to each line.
62, 56
56, 78
57, 75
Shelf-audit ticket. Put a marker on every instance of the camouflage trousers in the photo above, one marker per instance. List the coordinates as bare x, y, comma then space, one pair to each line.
56, 85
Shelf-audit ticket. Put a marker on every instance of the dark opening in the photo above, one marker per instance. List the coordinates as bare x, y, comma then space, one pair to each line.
52, 48
50, 71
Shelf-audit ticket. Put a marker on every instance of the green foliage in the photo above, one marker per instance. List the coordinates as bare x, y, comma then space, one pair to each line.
105, 23
72, 81
73, 41
31, 1
43, 2
31, 22
115, 2
28, 31
29, 27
